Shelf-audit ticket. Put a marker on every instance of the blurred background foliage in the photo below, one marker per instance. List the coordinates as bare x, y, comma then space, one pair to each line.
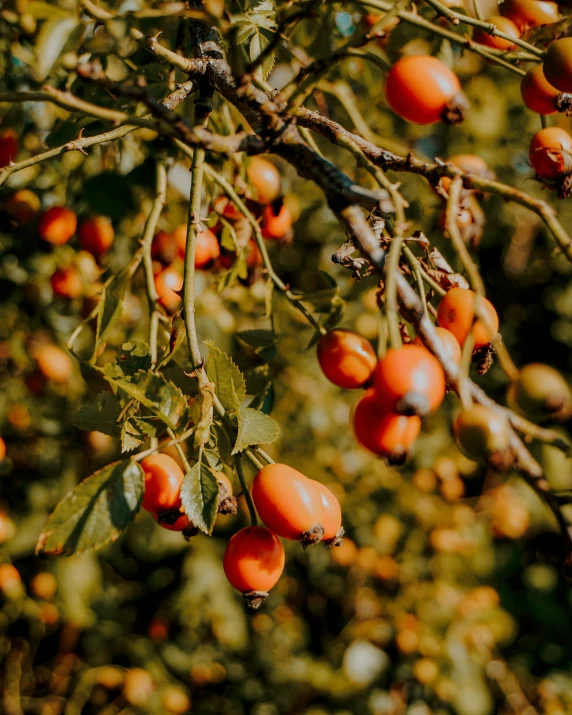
446, 596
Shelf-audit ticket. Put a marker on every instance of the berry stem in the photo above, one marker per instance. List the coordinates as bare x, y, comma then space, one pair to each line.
245, 489
391, 291
264, 456
257, 463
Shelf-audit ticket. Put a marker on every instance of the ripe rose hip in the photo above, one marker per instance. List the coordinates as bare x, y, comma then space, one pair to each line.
57, 225
253, 562
67, 283
530, 13
504, 24
206, 249
346, 358
163, 480
167, 284
449, 342
96, 235
265, 179
456, 313
276, 225
421, 89
537, 92
409, 381
385, 434
288, 503
557, 64
8, 146
550, 153
22, 206
332, 515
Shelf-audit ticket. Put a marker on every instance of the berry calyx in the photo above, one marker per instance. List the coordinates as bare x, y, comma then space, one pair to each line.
421, 89
385, 434
550, 154
409, 381
346, 358
288, 504
456, 313
253, 562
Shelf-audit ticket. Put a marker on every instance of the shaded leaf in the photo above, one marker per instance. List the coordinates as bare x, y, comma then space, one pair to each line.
199, 496
96, 511
110, 194
229, 381
262, 341
224, 445
133, 357
130, 437
156, 393
111, 302
176, 339
100, 415
254, 427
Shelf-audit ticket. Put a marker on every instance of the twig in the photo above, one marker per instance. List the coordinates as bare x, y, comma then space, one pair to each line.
245, 489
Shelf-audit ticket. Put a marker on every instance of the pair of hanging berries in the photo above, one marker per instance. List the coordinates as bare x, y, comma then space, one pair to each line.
162, 498
292, 506
405, 385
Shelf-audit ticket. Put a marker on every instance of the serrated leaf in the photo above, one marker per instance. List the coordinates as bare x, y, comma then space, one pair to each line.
243, 30
96, 511
52, 38
199, 496
213, 459
156, 393
130, 437
254, 427
147, 426
133, 357
100, 415
205, 401
229, 381
267, 65
262, 341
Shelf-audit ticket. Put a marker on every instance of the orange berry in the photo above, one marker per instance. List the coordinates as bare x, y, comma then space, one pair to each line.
163, 480
287, 502
265, 179
254, 559
207, 248
53, 363
2, 449
57, 225
346, 358
384, 433
456, 313
530, 13
167, 283
419, 88
22, 206
449, 342
164, 247
557, 66
44, 585
332, 512
537, 92
504, 24
550, 153
67, 283
409, 380
96, 235
276, 225
9, 145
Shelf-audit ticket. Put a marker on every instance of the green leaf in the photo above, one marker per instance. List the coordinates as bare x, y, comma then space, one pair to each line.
133, 357
223, 444
243, 30
130, 437
156, 393
199, 495
254, 427
52, 38
258, 43
100, 415
109, 194
262, 341
229, 381
96, 511
147, 426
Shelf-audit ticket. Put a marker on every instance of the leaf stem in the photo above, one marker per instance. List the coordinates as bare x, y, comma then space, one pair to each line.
245, 489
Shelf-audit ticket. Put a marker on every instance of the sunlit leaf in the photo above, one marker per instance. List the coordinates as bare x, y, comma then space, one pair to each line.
254, 427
